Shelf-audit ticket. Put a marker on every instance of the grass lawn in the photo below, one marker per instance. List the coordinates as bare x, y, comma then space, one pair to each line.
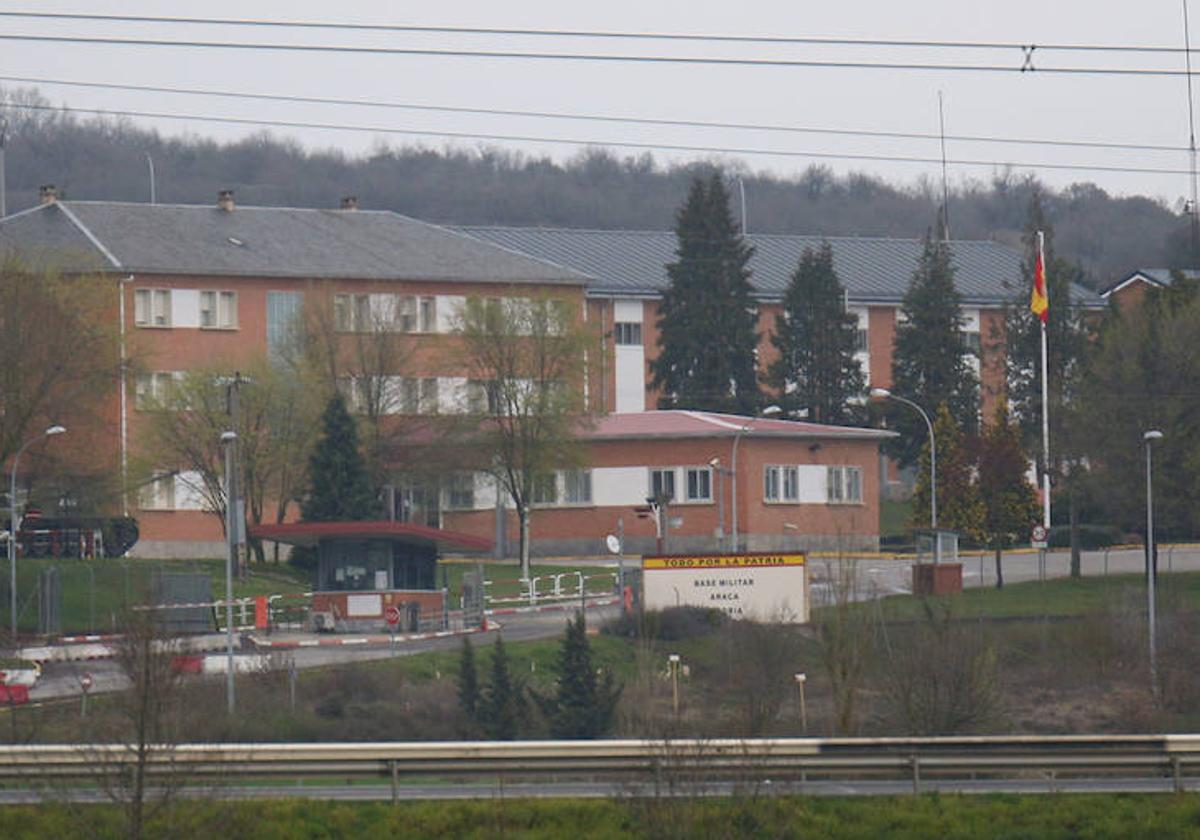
1054, 597
95, 591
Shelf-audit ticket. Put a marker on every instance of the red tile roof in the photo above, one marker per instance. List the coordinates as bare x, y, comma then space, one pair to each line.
688, 424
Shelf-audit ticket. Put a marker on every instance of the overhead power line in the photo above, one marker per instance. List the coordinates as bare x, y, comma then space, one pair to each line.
597, 34
1025, 67
609, 118
518, 138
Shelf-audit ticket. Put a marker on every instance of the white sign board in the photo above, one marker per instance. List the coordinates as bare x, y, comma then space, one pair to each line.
364, 605
761, 587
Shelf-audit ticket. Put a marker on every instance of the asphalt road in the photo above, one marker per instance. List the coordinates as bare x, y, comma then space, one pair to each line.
877, 576
62, 679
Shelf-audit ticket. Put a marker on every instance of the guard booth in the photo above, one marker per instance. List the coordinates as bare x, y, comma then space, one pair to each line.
937, 570
366, 568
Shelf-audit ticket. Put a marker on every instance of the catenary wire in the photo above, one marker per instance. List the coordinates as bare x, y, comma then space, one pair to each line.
592, 57
317, 100
518, 138
601, 34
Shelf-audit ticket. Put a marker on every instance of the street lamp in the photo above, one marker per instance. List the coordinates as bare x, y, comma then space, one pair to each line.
12, 523
673, 666
229, 440
715, 463
885, 394
769, 411
1151, 564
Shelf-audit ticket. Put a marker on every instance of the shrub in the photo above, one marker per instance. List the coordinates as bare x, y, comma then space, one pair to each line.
669, 625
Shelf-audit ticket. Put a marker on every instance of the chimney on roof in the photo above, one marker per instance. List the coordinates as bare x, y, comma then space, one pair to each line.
225, 200
350, 203
48, 193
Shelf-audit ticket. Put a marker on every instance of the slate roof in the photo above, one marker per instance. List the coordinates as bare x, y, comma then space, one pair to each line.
873, 270
263, 242
1161, 277
675, 424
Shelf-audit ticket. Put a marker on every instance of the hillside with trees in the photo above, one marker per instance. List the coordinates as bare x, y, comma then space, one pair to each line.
105, 158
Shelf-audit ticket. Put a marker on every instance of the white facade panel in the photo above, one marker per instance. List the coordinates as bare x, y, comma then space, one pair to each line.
189, 493
630, 369
619, 486
185, 308
970, 320
813, 484
449, 308
486, 488
628, 311
452, 394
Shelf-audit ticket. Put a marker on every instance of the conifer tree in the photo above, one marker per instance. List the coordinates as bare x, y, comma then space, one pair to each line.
707, 321
339, 485
584, 705
468, 681
960, 507
815, 335
1009, 500
503, 701
929, 364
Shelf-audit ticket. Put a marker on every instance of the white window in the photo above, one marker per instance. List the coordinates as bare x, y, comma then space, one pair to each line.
427, 321
545, 489
699, 484
353, 313
429, 396
973, 342
483, 397
860, 340
406, 314
844, 485
153, 390
218, 310
152, 307
159, 492
781, 484
662, 484
577, 487
460, 491
628, 333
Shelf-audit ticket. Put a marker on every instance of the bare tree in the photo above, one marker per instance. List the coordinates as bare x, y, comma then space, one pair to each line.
845, 631
276, 425
940, 676
61, 361
526, 357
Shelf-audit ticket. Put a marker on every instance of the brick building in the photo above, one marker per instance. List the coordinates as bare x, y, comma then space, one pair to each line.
198, 285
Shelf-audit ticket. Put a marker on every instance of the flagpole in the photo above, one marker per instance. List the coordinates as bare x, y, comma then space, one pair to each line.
1045, 402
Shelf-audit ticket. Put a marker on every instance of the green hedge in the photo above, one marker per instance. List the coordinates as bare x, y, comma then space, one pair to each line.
999, 817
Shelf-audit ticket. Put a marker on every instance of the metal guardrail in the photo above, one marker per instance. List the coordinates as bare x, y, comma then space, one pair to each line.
1084, 756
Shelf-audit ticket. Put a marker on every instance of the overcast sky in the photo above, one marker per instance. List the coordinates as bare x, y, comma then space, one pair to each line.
1144, 110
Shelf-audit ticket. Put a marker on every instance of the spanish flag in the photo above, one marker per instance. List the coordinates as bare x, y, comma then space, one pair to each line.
1038, 301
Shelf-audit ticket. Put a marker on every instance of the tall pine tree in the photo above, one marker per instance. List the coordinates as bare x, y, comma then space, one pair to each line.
339, 485
584, 705
815, 335
929, 362
707, 321
960, 507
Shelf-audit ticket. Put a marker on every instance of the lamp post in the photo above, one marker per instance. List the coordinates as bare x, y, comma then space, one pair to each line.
673, 666
885, 394
229, 440
12, 523
1151, 566
801, 679
717, 467
733, 468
